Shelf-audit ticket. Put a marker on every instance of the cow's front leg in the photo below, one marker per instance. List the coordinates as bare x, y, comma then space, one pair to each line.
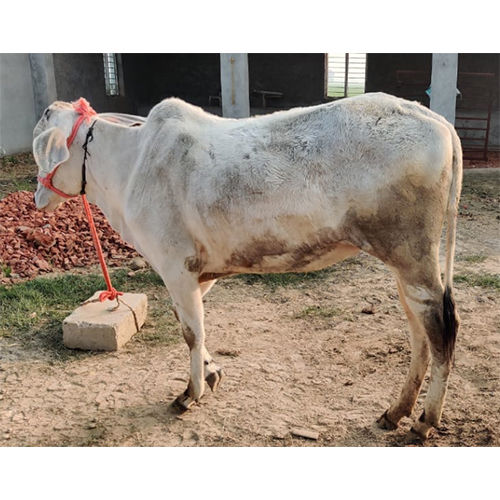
187, 301
187, 294
213, 373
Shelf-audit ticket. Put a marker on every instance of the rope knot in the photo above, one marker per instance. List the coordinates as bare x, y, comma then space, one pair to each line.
82, 107
111, 294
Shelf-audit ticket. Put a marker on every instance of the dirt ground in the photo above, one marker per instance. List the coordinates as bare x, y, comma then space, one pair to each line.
328, 355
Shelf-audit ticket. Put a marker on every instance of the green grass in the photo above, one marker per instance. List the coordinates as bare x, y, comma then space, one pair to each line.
473, 259
5, 270
17, 173
32, 311
288, 280
485, 280
283, 280
480, 193
317, 312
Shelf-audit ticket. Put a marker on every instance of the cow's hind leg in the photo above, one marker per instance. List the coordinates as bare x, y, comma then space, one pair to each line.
403, 406
430, 312
441, 323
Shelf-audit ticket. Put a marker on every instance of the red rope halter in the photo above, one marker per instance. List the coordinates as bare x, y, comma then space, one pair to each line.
85, 111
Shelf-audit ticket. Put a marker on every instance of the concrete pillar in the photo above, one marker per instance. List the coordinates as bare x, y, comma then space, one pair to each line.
17, 110
444, 85
43, 80
234, 85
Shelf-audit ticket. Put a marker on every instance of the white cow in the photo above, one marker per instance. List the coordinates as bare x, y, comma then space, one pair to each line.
202, 197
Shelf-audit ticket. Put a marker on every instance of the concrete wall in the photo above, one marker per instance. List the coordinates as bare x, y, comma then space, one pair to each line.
381, 76
484, 63
381, 73
17, 109
82, 75
43, 81
194, 77
381, 68
151, 78
300, 77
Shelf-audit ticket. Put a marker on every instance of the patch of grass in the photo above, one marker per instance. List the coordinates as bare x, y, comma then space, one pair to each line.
28, 184
22, 159
275, 281
34, 310
13, 160
317, 312
5, 269
485, 280
480, 192
141, 278
17, 173
474, 259
161, 328
284, 280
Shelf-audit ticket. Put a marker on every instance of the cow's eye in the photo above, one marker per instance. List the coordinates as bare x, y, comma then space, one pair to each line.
47, 113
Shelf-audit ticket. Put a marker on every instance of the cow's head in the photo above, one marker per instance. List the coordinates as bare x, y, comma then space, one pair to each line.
52, 155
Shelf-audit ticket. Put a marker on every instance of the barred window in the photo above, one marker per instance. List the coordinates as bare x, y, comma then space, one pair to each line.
111, 74
346, 75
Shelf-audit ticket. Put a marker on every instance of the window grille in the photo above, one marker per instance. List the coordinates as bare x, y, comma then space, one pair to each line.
346, 75
111, 74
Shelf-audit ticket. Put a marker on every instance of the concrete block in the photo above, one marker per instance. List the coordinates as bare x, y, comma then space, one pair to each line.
95, 327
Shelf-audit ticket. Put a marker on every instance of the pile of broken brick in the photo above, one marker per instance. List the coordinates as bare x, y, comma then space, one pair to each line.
34, 242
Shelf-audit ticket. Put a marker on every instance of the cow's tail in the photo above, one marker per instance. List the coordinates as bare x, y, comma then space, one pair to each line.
450, 316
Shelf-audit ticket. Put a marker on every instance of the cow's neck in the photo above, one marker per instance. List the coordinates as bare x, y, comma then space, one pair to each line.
113, 153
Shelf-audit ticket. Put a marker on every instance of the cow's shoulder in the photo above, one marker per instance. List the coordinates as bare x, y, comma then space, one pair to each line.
176, 109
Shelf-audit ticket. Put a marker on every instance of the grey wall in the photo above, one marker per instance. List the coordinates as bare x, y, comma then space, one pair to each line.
82, 75
381, 76
194, 77
17, 109
151, 78
300, 77
381, 68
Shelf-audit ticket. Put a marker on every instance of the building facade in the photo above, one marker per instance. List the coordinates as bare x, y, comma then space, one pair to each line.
133, 83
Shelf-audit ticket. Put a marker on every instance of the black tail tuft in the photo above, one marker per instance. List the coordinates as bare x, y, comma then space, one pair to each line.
451, 322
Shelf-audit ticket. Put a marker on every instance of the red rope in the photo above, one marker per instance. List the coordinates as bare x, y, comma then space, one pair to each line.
111, 293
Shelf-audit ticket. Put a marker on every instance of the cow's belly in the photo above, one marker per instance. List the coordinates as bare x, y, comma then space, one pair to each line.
276, 242
300, 262
273, 257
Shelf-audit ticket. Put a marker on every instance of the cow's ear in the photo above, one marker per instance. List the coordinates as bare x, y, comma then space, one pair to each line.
50, 149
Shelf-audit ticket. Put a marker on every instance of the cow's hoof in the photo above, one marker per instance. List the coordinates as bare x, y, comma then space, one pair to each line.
184, 401
413, 437
420, 431
214, 379
384, 423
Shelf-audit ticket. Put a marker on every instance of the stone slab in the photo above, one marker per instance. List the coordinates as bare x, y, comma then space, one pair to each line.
96, 327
